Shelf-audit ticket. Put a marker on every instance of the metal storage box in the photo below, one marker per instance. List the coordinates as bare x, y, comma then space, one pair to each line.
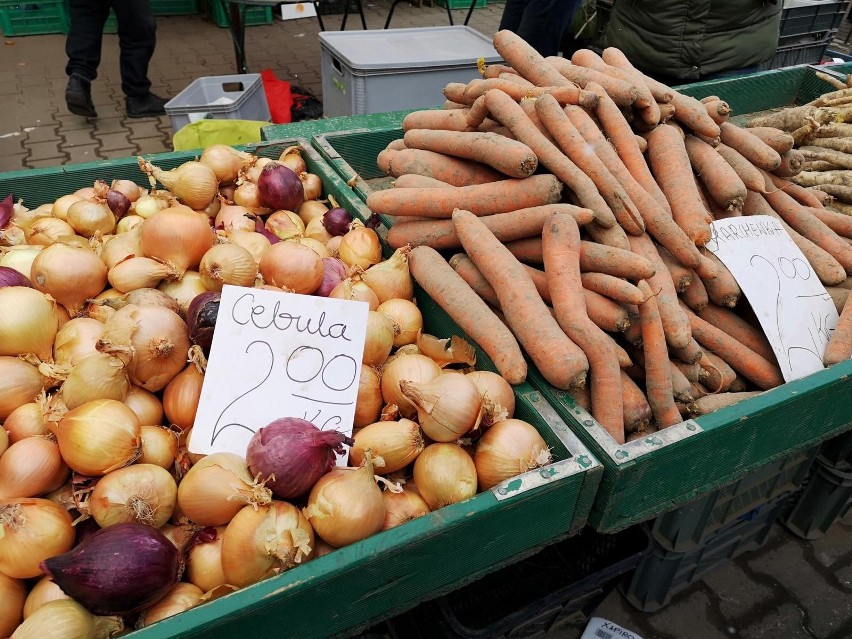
219, 97
376, 71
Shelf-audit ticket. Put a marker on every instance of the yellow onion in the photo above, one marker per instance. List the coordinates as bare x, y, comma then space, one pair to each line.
121, 247
204, 559
497, 395
146, 405
88, 217
315, 245
406, 317
13, 594
144, 297
69, 275
159, 446
20, 258
417, 369
143, 493
4, 441
180, 598
139, 272
447, 407
128, 188
66, 619
293, 266
227, 264
291, 157
254, 243
31, 467
31, 530
46, 230
510, 447
232, 217
225, 161
369, 402
316, 230
128, 223
379, 339
180, 399
217, 487
158, 339
311, 210
27, 322
193, 183
260, 542
148, 204
453, 350
355, 289
402, 507
285, 225
311, 184
396, 443
177, 236
97, 376
99, 437
391, 279
76, 340
184, 290
333, 245
444, 474
62, 203
360, 246
346, 505
20, 383
43, 592
247, 195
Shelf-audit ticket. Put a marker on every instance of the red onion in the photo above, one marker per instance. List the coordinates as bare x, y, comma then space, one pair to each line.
373, 222
280, 188
333, 273
260, 227
296, 452
117, 203
201, 319
118, 570
336, 221
11, 277
6, 210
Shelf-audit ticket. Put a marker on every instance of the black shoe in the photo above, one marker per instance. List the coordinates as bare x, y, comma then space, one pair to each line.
146, 106
78, 97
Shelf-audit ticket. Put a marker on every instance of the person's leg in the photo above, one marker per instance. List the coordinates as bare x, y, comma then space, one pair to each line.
137, 38
543, 23
83, 48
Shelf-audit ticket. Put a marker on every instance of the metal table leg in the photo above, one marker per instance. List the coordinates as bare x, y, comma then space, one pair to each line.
236, 24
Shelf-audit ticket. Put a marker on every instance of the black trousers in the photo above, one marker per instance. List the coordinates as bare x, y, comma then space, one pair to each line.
539, 22
137, 37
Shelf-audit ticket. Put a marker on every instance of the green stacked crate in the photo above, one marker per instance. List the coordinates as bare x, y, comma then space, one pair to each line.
461, 4
174, 7
33, 18
218, 12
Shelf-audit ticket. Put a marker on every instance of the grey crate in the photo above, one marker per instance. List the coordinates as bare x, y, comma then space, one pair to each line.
219, 97
826, 498
377, 71
800, 17
796, 50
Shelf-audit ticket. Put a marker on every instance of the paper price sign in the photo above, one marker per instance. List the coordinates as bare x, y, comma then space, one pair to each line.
793, 307
279, 355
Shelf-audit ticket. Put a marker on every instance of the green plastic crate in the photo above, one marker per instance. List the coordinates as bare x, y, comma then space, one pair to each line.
33, 18
218, 12
461, 4
386, 574
174, 7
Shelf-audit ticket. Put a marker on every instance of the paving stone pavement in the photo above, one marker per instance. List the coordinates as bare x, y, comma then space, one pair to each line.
788, 589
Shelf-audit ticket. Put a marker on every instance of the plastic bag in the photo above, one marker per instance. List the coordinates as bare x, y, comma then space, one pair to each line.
204, 133
278, 97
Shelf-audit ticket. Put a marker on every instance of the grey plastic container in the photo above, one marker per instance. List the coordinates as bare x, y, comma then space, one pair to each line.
826, 498
219, 97
377, 71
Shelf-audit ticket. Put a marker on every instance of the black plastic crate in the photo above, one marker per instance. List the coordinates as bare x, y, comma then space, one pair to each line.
811, 17
837, 452
826, 498
689, 526
563, 583
663, 574
800, 50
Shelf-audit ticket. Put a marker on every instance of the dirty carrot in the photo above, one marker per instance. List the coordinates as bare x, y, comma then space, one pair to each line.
692, 372
718, 110
637, 411
616, 58
839, 347
527, 249
494, 70
622, 93
837, 222
417, 181
613, 236
647, 106
722, 289
799, 193
838, 296
526, 61
485, 199
792, 163
681, 276
563, 94
436, 119
695, 295
750, 146
716, 375
452, 294
442, 167
559, 359
396, 145
775, 138
454, 92
599, 258
723, 184
712, 403
561, 247
747, 172
615, 288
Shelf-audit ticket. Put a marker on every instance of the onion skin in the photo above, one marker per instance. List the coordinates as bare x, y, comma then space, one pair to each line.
201, 319
336, 221
280, 188
333, 273
11, 277
118, 570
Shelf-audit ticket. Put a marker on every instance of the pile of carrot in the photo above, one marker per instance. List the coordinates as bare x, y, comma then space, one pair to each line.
559, 209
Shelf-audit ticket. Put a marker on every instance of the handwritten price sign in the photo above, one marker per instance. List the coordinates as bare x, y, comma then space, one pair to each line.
278, 355
793, 307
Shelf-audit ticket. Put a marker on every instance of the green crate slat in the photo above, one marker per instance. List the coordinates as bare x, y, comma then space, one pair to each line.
677, 465
217, 11
174, 7
388, 573
33, 18
461, 4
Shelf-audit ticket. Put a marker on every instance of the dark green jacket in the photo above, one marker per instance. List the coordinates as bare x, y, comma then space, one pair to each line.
688, 39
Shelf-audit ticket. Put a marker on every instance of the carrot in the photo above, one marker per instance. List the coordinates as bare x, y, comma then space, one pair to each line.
582, 397
508, 113
751, 177
485, 199
396, 145
642, 143
667, 111
839, 347
510, 157
613, 236
561, 247
435, 165
528, 107
718, 110
658, 220
494, 70
742, 359
477, 114
441, 234
436, 119
751, 147
622, 93
792, 163
774, 138
690, 354
416, 181
837, 222
723, 184
570, 94
468, 271
675, 324
828, 270
633, 332
598, 258
669, 161
692, 372
680, 384
526, 61
716, 376
561, 361
722, 289
658, 377
615, 288
539, 279
739, 384
695, 295
454, 92
637, 411
838, 296
692, 114
732, 324
449, 105
527, 249
572, 144
799, 193
452, 294
616, 58
681, 276
648, 109
712, 403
